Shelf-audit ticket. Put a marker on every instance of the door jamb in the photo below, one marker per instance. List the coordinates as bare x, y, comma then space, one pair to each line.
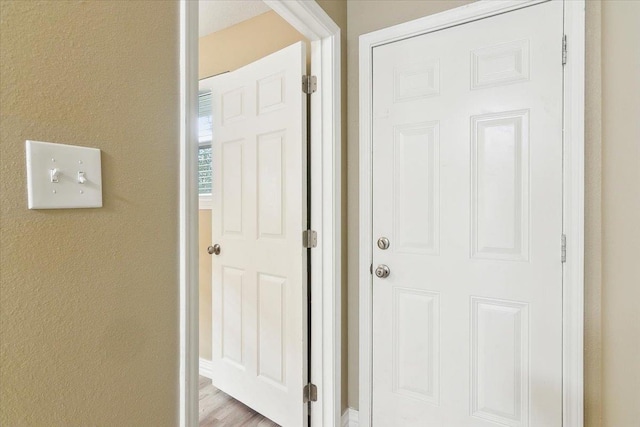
325, 124
573, 190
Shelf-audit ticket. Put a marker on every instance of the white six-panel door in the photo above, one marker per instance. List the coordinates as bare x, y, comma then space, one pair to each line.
259, 286
467, 187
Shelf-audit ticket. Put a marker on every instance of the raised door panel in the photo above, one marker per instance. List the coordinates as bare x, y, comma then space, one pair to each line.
271, 93
232, 186
271, 329
271, 184
416, 81
500, 361
231, 318
233, 107
416, 188
416, 344
500, 64
500, 186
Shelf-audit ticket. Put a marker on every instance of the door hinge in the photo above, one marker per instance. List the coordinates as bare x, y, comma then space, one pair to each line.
309, 84
563, 250
309, 239
564, 49
310, 393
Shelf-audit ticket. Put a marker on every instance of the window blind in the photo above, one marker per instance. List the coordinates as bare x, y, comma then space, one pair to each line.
205, 135
205, 119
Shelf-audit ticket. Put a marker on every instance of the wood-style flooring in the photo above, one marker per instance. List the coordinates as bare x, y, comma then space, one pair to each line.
218, 409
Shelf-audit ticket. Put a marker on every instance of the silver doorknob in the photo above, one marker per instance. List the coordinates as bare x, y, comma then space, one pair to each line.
382, 271
383, 243
215, 249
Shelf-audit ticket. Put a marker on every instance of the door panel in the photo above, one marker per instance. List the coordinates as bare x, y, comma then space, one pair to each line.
467, 187
259, 286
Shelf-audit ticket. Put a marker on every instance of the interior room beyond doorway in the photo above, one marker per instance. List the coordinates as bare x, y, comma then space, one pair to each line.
232, 34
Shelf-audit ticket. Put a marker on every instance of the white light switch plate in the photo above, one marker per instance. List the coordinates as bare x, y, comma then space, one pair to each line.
47, 162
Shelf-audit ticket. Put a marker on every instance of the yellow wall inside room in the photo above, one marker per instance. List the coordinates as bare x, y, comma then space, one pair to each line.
89, 297
244, 43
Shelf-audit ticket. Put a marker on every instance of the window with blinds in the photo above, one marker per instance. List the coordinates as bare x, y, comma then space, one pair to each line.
205, 135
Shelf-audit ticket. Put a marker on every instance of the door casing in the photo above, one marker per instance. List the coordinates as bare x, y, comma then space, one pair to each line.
325, 149
573, 190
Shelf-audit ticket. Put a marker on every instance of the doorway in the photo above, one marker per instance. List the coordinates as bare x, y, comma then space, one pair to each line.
259, 273
323, 373
465, 314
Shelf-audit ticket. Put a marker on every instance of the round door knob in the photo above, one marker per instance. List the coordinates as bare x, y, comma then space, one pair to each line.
383, 243
382, 271
214, 250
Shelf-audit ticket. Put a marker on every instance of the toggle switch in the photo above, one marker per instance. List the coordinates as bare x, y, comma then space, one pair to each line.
54, 175
81, 177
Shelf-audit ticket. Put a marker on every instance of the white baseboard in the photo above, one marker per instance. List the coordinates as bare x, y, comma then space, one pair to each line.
350, 418
206, 368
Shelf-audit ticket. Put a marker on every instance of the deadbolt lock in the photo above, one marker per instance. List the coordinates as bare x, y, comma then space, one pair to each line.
383, 243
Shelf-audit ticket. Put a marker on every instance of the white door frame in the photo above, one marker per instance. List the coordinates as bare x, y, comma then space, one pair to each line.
573, 190
325, 123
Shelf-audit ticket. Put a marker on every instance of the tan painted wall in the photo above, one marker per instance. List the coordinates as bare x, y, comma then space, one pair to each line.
89, 297
612, 335
593, 219
80, 330
620, 213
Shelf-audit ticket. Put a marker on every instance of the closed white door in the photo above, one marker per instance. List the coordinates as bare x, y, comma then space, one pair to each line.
259, 286
467, 188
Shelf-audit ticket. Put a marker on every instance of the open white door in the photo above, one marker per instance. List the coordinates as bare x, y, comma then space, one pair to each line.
259, 212
467, 220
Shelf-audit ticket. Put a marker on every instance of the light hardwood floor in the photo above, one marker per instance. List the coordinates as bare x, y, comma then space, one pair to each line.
218, 409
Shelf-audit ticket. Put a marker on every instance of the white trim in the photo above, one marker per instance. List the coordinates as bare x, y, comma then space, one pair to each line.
573, 286
205, 202
573, 221
188, 223
205, 368
350, 418
310, 20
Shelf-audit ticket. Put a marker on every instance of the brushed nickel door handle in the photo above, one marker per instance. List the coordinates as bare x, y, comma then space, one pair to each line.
382, 271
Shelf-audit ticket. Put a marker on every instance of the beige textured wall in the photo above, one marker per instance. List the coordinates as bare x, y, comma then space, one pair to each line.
89, 297
620, 213
612, 325
593, 219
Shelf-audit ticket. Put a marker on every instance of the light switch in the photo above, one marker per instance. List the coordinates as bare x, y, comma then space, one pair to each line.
63, 176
